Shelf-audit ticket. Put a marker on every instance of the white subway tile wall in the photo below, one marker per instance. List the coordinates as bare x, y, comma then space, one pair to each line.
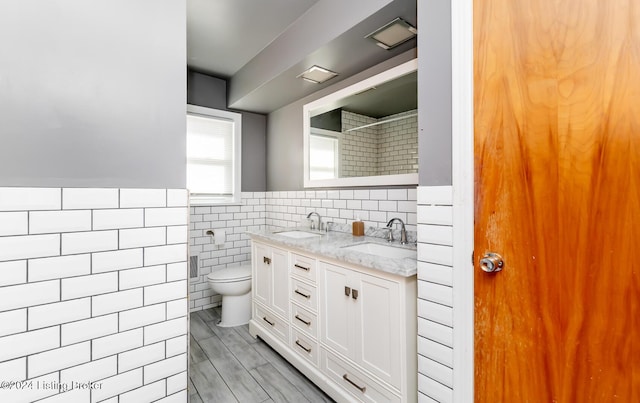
398, 147
358, 148
14, 272
176, 383
435, 293
260, 210
88, 329
389, 148
235, 220
14, 223
93, 288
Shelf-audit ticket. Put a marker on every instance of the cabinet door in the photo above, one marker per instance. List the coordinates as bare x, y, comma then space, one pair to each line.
337, 326
378, 317
280, 282
261, 274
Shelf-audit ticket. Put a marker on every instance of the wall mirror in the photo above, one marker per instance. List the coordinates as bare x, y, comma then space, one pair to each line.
365, 134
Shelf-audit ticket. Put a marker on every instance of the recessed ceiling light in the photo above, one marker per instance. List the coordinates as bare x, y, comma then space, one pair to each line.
393, 34
317, 74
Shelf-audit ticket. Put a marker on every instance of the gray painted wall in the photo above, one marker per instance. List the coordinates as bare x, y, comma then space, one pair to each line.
254, 152
434, 93
211, 92
284, 127
92, 93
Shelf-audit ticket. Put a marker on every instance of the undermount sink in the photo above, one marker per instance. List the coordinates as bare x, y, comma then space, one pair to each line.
382, 250
297, 234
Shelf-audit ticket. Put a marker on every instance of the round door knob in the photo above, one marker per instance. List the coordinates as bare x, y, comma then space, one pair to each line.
491, 262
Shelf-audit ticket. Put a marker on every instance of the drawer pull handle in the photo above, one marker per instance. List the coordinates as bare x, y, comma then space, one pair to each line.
304, 295
268, 321
308, 323
360, 388
266, 260
301, 267
307, 349
354, 294
347, 290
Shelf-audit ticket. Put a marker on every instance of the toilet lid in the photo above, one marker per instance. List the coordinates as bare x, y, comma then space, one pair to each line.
231, 274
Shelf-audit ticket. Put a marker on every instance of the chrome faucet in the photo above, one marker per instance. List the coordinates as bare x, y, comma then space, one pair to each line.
312, 223
403, 231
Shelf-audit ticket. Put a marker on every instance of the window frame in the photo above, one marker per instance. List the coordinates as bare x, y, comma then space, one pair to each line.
330, 134
200, 199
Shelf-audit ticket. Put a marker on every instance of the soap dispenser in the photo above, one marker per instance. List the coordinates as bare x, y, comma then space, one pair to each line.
358, 227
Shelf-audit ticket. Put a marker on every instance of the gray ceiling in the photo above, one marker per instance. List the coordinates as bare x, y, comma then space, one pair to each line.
224, 35
399, 95
260, 46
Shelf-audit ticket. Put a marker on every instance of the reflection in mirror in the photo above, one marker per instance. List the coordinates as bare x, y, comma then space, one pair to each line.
366, 134
323, 158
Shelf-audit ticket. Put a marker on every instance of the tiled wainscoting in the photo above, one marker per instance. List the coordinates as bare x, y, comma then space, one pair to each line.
284, 209
398, 148
375, 207
435, 293
235, 220
93, 295
385, 149
358, 148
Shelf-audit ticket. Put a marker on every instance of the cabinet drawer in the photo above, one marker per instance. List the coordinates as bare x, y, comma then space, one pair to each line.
303, 267
304, 320
278, 327
359, 385
304, 294
305, 346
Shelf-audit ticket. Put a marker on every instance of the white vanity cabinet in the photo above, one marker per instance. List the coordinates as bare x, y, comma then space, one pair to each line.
352, 330
361, 320
270, 288
303, 296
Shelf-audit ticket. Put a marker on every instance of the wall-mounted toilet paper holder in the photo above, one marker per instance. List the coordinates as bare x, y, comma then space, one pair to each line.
219, 238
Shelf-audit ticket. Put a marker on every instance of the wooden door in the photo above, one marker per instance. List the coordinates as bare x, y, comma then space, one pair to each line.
557, 179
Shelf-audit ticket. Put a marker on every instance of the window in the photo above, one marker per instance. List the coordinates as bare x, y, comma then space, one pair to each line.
213, 155
323, 158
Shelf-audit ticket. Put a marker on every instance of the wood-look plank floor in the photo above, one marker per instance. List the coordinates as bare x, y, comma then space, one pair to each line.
229, 365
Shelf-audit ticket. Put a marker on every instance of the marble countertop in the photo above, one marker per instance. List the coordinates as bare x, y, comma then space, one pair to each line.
331, 245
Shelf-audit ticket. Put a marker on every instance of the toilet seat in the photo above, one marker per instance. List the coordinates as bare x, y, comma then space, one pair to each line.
230, 274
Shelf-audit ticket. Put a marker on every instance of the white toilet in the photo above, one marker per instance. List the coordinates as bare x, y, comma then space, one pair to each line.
234, 284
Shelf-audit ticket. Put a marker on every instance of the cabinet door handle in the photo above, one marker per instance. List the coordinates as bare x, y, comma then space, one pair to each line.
266, 260
307, 349
306, 322
268, 321
360, 388
354, 294
347, 290
303, 294
301, 267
